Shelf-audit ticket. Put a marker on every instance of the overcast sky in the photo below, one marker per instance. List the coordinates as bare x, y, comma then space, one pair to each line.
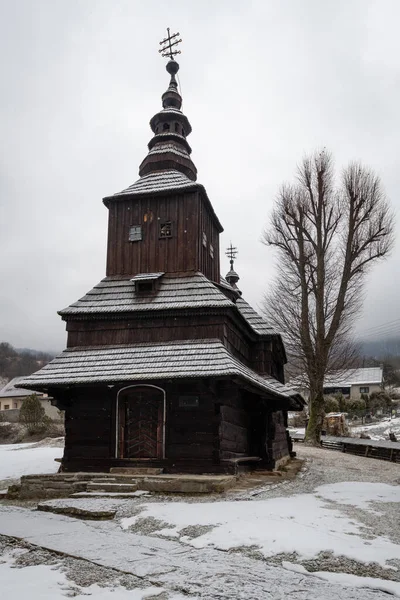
263, 82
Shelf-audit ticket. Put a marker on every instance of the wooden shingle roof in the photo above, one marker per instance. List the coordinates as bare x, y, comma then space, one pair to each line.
141, 362
114, 295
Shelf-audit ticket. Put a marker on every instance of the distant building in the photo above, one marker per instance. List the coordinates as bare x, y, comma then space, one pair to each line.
352, 383
11, 398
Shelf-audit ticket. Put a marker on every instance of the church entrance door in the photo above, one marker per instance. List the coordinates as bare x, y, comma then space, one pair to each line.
142, 422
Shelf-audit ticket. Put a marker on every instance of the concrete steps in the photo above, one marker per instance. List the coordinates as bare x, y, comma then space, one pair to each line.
112, 487
136, 471
64, 485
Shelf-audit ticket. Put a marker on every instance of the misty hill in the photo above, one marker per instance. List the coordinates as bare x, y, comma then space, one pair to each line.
379, 348
14, 362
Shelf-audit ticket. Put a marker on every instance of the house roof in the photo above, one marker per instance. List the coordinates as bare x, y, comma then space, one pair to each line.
10, 391
116, 295
346, 378
163, 182
141, 362
256, 321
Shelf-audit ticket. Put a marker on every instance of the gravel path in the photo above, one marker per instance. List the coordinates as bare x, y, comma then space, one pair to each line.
320, 467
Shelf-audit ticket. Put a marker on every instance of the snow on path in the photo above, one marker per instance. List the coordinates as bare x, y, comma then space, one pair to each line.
390, 587
42, 582
205, 574
21, 459
305, 523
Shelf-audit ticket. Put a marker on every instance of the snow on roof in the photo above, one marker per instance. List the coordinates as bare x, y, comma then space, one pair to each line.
158, 182
114, 295
10, 391
346, 378
141, 362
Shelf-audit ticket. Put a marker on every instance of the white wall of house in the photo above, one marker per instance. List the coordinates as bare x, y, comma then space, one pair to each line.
15, 403
365, 388
10, 403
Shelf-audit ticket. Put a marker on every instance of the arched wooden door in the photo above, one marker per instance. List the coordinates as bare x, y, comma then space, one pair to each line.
141, 422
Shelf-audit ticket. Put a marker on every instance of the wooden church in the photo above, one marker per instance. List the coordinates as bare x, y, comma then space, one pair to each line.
166, 364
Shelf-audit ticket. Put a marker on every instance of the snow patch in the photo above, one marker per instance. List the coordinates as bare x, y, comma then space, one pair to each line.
42, 582
348, 580
303, 524
23, 459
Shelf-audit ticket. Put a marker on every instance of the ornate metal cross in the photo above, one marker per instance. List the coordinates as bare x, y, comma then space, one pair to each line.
168, 44
231, 253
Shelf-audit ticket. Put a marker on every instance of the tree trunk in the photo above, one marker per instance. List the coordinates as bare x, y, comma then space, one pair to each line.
316, 420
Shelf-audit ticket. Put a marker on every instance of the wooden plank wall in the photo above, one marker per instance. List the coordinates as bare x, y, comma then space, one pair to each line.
209, 263
277, 436
152, 254
183, 252
234, 422
191, 432
89, 425
151, 329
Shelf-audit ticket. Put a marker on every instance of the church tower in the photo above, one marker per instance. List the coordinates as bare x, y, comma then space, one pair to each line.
164, 222
166, 364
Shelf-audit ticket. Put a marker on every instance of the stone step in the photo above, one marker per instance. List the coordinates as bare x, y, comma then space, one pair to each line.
76, 511
114, 495
112, 487
136, 470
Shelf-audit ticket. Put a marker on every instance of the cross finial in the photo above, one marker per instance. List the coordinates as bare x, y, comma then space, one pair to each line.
168, 44
231, 253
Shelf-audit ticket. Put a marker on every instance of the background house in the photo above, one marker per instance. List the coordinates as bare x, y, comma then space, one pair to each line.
11, 399
352, 383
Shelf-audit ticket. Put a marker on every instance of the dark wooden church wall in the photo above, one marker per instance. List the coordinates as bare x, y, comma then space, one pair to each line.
191, 426
276, 436
236, 343
265, 359
233, 422
152, 329
208, 248
89, 425
152, 254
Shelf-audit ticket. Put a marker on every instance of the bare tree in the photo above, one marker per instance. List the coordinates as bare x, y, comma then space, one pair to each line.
327, 237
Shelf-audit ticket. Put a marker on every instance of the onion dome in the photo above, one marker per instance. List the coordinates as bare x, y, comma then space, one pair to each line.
168, 149
232, 278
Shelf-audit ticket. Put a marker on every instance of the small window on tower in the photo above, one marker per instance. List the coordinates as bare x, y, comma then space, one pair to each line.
166, 127
211, 251
166, 229
135, 233
143, 287
204, 239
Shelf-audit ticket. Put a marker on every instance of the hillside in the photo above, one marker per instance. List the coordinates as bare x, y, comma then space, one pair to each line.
14, 362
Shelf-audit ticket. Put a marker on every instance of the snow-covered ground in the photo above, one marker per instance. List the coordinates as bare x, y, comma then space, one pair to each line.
377, 431
26, 459
380, 430
44, 582
332, 533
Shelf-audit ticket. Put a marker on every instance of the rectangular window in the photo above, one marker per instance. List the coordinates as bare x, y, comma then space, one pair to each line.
6, 407
364, 390
211, 251
15, 405
135, 233
204, 239
188, 401
144, 286
166, 229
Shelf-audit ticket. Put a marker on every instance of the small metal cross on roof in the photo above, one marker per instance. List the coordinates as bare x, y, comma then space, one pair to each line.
168, 44
231, 253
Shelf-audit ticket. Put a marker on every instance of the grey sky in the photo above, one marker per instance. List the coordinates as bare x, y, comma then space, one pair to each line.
263, 83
